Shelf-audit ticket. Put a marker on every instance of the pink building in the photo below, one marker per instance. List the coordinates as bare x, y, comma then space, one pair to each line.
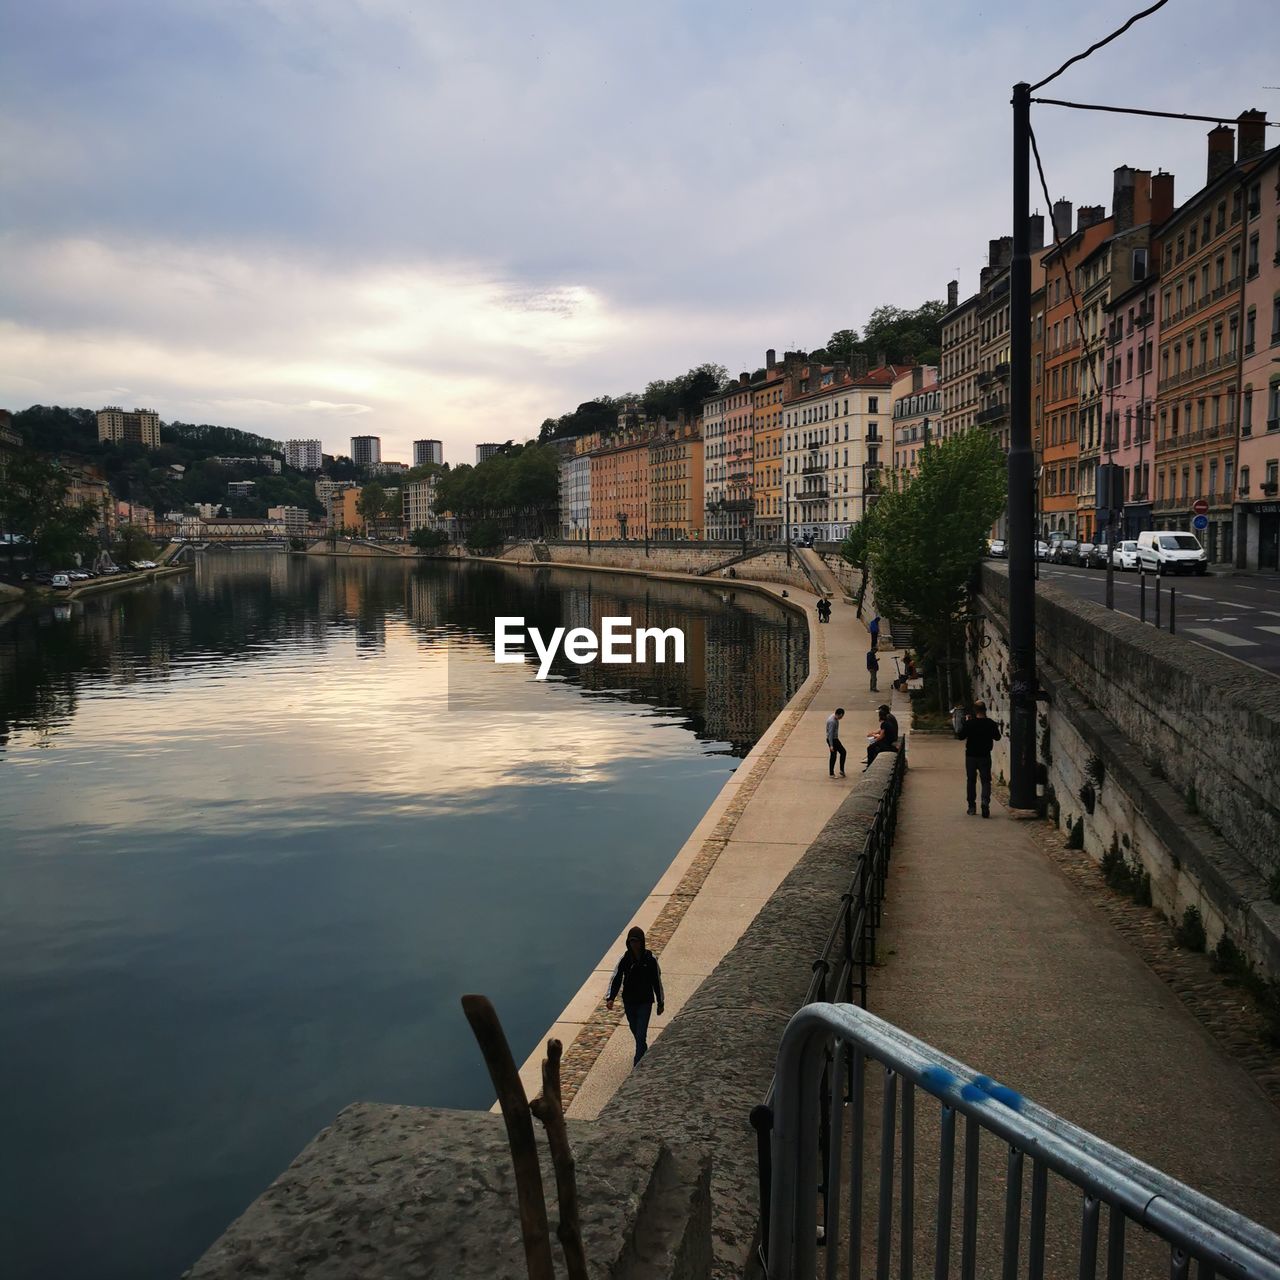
1257, 506
1129, 396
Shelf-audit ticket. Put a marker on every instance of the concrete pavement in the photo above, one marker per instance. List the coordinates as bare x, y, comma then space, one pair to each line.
991, 955
765, 817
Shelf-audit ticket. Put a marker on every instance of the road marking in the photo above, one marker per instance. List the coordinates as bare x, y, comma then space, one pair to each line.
1222, 637
1188, 596
1275, 631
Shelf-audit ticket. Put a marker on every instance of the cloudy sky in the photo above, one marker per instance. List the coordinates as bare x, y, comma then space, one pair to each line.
326, 217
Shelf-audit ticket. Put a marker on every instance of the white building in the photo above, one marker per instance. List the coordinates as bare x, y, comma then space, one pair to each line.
303, 455
366, 450
484, 451
325, 488
294, 519
425, 451
419, 504
575, 493
263, 460
240, 488
835, 425
388, 468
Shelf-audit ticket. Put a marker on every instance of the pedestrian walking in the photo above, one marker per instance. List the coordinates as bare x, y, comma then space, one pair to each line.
874, 628
834, 745
640, 979
979, 732
873, 668
824, 610
885, 738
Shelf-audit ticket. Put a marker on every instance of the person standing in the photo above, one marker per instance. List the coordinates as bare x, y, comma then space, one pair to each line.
834, 745
874, 628
640, 979
979, 733
885, 738
873, 668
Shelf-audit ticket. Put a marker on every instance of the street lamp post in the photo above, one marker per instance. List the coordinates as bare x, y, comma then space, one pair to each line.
1023, 684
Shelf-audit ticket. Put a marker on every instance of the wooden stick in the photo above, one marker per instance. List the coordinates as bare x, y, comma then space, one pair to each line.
524, 1149
549, 1108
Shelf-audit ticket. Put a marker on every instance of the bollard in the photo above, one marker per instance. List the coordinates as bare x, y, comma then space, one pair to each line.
1157, 602
1142, 595
1173, 607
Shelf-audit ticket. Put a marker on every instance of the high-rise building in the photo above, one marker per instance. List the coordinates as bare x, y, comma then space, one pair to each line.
425, 451
303, 455
366, 450
141, 426
484, 451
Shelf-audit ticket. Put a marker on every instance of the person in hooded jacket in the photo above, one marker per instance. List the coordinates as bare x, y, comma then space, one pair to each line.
640, 979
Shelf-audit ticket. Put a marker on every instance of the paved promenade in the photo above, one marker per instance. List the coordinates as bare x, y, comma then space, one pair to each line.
762, 821
991, 954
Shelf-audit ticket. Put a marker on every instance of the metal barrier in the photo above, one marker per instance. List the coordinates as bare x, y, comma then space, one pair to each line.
840, 971
811, 1150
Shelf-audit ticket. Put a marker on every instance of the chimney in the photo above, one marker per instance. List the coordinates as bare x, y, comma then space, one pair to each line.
1122, 197
770, 359
1221, 151
1253, 133
917, 378
744, 379
859, 364
1035, 232
1061, 219
1161, 198
953, 294
1089, 215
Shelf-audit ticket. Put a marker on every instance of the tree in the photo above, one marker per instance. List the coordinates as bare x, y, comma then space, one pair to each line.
428, 539
132, 544
33, 504
928, 537
905, 337
372, 502
855, 550
484, 535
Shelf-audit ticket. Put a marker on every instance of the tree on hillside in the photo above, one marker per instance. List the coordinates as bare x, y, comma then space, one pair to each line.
855, 550
903, 336
600, 414
927, 538
33, 504
132, 544
667, 398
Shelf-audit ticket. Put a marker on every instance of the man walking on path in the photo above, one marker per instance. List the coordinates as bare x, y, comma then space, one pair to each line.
887, 737
874, 629
640, 978
873, 667
979, 734
834, 745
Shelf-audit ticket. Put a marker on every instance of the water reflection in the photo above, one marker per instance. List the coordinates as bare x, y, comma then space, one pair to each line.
263, 823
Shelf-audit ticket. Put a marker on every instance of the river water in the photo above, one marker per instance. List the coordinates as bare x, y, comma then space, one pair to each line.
261, 825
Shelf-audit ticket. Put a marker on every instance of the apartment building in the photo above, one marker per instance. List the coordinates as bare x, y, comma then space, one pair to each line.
138, 426
1202, 250
766, 427
620, 486
428, 451
1133, 335
1257, 498
834, 426
575, 486
958, 372
366, 450
418, 504
729, 460
676, 469
304, 455
294, 520
917, 415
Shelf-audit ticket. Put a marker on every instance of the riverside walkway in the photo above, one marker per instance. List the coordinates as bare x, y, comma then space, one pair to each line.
764, 818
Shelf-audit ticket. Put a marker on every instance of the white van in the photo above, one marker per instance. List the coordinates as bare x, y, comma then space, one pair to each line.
1170, 551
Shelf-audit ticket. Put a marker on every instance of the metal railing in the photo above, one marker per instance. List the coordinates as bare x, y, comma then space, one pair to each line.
824, 1072
840, 971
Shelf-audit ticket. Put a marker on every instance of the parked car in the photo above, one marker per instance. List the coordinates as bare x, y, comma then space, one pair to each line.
1171, 551
1063, 551
1083, 551
1124, 555
1097, 558
997, 549
1042, 549
60, 581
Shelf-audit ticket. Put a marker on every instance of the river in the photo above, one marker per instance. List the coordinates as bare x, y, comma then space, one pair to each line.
261, 825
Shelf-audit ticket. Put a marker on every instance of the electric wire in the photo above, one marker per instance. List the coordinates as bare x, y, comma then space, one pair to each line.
1093, 48
1145, 111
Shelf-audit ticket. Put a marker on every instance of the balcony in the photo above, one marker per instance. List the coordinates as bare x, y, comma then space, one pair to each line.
874, 437
1270, 489
1273, 424
812, 469
986, 378
1001, 371
813, 495
993, 413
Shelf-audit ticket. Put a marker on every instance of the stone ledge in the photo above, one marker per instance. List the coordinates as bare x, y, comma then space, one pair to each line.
418, 1191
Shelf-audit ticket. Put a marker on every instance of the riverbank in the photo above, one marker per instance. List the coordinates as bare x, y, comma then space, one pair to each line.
764, 818
93, 587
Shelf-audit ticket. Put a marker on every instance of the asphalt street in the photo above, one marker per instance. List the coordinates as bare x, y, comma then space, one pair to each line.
1238, 615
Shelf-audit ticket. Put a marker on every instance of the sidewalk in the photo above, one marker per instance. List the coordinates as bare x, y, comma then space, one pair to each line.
991, 955
762, 821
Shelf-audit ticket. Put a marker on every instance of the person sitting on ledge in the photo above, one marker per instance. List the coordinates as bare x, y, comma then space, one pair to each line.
885, 738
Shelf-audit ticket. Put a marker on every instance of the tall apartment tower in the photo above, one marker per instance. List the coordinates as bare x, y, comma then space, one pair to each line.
484, 451
142, 426
425, 451
366, 451
303, 455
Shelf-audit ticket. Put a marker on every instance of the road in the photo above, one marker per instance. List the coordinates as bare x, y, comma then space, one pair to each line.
1239, 616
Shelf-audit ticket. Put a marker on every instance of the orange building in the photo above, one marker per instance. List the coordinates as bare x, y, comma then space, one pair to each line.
766, 393
675, 482
620, 486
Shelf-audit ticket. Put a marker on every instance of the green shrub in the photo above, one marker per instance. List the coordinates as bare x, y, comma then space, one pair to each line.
1190, 933
1096, 771
1088, 797
1075, 840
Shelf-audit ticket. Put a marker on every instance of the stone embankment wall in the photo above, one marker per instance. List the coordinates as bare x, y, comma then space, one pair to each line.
1166, 753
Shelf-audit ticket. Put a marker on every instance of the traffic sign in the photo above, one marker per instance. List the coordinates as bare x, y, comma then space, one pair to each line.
1200, 522
1201, 508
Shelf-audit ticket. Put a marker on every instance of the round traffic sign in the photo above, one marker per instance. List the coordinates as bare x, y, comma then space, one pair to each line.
1200, 507
1200, 522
